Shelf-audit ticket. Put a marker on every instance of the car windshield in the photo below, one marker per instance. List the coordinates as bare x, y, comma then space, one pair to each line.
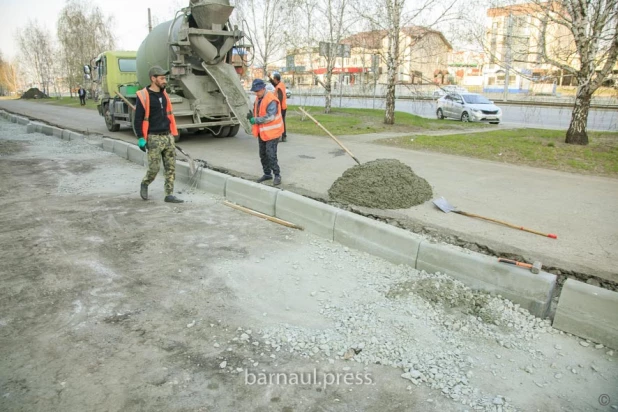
475, 99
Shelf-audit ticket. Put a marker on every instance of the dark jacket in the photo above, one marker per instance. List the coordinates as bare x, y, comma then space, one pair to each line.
159, 122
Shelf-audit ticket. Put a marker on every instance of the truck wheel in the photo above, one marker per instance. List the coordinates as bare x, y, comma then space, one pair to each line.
109, 120
234, 131
224, 131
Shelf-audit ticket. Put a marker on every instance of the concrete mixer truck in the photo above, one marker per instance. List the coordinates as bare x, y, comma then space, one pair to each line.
201, 51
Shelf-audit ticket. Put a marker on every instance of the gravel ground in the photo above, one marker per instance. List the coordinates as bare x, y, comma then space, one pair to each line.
183, 314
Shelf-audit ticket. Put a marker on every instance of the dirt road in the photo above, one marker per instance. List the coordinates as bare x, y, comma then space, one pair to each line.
580, 209
110, 303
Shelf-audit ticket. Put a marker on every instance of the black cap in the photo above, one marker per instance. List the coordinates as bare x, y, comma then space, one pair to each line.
157, 71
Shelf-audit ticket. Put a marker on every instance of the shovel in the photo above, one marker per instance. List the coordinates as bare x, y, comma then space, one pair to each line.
330, 134
446, 207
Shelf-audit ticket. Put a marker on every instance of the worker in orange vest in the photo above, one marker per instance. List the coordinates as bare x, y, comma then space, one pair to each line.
267, 127
281, 91
156, 130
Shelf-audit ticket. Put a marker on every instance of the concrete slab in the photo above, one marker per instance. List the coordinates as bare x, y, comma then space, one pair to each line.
108, 145
31, 128
22, 120
393, 244
57, 132
183, 171
75, 136
121, 149
481, 272
252, 195
135, 155
212, 182
589, 312
66, 135
313, 216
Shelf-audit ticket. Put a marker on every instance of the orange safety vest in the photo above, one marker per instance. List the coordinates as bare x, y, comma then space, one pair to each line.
284, 101
272, 130
144, 97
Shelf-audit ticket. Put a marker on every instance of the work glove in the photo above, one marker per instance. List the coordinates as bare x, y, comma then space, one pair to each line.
141, 143
252, 120
249, 116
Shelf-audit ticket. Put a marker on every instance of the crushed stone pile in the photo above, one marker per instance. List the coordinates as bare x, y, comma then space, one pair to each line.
34, 93
382, 184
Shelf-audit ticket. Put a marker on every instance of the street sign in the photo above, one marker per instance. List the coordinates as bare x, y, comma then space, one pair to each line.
343, 50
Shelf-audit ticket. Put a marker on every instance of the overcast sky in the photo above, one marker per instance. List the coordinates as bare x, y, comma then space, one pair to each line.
131, 18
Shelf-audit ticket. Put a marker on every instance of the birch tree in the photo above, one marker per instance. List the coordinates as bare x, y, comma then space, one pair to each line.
390, 17
333, 21
83, 32
37, 52
593, 28
264, 23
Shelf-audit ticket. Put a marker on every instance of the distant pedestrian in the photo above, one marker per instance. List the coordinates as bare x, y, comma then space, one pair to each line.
155, 126
275, 80
81, 92
268, 128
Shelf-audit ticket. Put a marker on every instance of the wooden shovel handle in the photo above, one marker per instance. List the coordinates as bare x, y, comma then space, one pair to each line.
550, 235
329, 133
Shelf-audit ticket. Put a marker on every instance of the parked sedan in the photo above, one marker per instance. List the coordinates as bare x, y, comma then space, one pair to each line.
468, 107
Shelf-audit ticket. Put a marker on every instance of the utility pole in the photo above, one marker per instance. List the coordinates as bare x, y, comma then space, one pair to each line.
149, 21
507, 57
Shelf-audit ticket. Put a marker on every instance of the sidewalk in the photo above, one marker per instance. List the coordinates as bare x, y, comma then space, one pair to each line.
581, 210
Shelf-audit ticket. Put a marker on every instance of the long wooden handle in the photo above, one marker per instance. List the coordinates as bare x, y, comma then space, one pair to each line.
550, 235
329, 133
125, 100
258, 214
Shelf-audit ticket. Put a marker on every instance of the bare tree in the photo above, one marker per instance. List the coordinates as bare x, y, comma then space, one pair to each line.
593, 27
83, 32
575, 39
390, 17
333, 21
264, 23
37, 51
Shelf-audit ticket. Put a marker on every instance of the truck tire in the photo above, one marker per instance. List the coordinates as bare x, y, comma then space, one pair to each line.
234, 131
224, 131
109, 120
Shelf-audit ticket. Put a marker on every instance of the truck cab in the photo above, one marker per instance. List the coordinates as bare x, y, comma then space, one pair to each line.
115, 72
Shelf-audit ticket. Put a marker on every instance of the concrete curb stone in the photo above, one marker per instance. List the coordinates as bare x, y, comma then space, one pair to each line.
481, 272
57, 132
121, 149
393, 244
108, 145
135, 155
212, 182
253, 195
589, 312
311, 215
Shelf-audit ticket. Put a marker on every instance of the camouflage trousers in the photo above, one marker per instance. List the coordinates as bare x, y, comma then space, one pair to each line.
161, 148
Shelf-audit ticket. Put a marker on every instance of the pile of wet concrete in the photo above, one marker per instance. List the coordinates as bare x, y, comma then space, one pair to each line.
34, 93
381, 184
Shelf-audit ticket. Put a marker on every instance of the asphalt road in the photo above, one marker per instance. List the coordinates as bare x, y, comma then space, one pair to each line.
581, 210
513, 115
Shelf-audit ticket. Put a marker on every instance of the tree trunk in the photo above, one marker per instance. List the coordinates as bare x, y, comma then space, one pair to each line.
327, 92
389, 114
577, 133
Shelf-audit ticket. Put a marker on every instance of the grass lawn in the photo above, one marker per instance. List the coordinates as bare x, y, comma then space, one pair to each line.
67, 101
532, 147
361, 121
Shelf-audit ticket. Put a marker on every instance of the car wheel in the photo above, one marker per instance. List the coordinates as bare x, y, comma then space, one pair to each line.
465, 117
440, 114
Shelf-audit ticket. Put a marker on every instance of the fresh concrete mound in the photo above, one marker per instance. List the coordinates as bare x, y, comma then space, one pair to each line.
383, 184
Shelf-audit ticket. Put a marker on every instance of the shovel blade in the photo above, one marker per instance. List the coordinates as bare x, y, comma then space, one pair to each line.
444, 205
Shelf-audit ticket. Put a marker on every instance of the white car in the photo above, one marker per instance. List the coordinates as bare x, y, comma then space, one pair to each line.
468, 107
